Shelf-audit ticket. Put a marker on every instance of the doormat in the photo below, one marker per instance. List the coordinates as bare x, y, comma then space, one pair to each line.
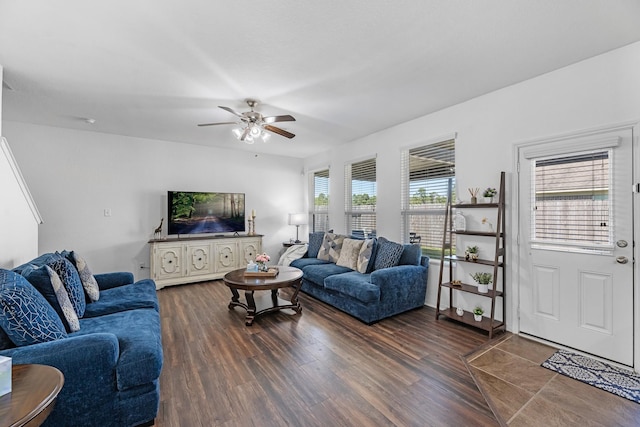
615, 380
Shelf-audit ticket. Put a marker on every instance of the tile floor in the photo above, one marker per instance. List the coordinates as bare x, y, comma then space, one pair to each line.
522, 393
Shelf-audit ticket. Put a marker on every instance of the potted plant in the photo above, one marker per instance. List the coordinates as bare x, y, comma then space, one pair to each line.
477, 313
489, 194
471, 253
483, 280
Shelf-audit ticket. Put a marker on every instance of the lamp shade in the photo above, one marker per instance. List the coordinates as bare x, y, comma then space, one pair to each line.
297, 218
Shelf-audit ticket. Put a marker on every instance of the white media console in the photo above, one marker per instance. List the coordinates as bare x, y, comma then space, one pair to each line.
175, 261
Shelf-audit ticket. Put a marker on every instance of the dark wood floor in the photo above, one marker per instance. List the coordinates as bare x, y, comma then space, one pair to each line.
320, 368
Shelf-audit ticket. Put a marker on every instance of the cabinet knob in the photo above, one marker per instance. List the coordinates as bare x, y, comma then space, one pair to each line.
170, 261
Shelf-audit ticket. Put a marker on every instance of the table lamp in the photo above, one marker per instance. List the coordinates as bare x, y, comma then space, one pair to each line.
297, 219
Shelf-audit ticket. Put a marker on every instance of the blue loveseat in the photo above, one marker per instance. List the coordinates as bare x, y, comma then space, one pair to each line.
111, 365
385, 279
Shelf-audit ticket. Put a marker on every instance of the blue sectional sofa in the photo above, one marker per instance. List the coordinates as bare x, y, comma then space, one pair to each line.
111, 364
384, 279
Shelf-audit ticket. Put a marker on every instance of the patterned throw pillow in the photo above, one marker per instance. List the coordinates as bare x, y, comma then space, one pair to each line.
349, 253
72, 283
63, 299
89, 282
25, 316
388, 254
331, 246
365, 255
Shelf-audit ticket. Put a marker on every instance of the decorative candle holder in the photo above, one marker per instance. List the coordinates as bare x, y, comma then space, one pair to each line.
252, 226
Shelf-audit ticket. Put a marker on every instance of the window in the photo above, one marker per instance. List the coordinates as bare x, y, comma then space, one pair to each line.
360, 197
426, 174
320, 212
571, 204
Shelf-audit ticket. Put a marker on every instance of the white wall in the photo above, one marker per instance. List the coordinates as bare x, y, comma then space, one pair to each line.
600, 91
75, 175
18, 227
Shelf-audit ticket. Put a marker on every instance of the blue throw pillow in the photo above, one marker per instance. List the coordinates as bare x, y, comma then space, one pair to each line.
25, 316
41, 280
387, 254
72, 283
411, 255
315, 241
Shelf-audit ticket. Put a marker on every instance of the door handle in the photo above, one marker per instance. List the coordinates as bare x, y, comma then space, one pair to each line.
622, 260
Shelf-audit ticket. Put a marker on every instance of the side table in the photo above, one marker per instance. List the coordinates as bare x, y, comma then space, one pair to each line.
34, 389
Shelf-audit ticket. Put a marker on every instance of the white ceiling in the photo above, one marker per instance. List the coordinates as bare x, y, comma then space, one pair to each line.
343, 68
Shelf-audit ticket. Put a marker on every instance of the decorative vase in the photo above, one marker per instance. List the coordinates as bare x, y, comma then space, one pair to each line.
262, 266
477, 317
459, 222
483, 288
459, 311
474, 200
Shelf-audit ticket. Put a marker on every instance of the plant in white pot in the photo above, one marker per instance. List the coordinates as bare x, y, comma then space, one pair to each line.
483, 280
477, 313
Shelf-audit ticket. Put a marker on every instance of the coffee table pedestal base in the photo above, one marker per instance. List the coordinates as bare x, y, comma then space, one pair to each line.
265, 303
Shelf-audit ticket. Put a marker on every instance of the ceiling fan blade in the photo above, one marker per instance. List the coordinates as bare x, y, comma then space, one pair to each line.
245, 134
231, 110
220, 123
283, 118
279, 131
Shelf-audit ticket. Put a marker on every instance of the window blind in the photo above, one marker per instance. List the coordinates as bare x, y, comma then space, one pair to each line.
426, 171
570, 200
360, 197
320, 213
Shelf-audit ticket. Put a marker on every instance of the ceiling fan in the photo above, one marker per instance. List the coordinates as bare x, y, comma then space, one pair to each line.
255, 124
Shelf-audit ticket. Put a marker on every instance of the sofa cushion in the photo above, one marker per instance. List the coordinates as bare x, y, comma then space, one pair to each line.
365, 256
301, 263
25, 315
331, 246
68, 311
387, 254
141, 294
317, 273
89, 283
315, 241
355, 285
349, 253
72, 283
139, 340
411, 255
41, 280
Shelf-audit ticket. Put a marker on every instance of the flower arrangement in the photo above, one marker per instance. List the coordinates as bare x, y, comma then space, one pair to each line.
471, 253
262, 260
489, 192
485, 221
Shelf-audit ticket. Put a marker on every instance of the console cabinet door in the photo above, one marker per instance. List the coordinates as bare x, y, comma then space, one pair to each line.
199, 260
248, 251
168, 263
226, 256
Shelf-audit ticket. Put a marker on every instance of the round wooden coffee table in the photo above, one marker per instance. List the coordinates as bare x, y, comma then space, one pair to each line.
288, 277
34, 389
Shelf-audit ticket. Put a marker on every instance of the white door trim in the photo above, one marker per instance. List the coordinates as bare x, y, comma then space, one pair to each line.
516, 263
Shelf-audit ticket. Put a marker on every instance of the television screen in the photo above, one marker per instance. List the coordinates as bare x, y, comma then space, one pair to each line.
193, 212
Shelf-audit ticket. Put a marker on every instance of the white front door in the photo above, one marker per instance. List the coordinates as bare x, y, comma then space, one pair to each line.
576, 242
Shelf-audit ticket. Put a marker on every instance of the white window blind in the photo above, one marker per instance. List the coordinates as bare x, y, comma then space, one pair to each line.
360, 197
320, 213
426, 172
571, 201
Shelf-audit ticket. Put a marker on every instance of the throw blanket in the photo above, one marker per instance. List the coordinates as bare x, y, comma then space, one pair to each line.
292, 253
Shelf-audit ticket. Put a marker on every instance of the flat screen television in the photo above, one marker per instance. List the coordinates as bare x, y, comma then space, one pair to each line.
198, 212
